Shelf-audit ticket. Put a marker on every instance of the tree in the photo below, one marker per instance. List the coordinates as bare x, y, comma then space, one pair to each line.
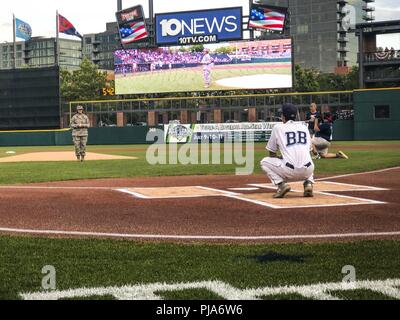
82, 84
306, 80
352, 79
225, 50
197, 48
331, 82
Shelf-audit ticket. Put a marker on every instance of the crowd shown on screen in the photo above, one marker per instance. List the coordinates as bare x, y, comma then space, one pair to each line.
131, 61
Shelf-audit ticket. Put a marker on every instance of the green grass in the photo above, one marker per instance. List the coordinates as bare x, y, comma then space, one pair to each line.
360, 295
189, 79
13, 173
99, 263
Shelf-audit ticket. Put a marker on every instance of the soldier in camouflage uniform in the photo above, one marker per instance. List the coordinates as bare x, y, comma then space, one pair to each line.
79, 126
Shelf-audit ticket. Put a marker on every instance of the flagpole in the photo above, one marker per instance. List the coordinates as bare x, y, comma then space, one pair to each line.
252, 30
15, 42
57, 51
57, 60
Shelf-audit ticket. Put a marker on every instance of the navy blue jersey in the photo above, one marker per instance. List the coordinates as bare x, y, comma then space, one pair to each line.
325, 131
308, 117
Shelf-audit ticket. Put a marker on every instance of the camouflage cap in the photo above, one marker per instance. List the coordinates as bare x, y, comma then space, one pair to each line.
79, 108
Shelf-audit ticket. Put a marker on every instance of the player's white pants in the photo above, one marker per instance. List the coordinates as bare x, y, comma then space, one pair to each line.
278, 172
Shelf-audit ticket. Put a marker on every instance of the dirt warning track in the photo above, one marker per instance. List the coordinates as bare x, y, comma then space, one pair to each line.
205, 208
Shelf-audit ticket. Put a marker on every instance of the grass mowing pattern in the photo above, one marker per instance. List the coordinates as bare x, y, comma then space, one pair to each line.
99, 263
13, 173
191, 79
103, 263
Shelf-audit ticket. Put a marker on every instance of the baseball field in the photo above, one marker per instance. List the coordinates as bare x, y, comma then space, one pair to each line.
116, 227
276, 75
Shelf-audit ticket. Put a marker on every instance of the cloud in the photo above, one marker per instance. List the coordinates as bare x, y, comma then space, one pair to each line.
6, 32
387, 14
387, 3
387, 10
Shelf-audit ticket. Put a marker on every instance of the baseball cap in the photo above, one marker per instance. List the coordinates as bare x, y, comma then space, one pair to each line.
289, 111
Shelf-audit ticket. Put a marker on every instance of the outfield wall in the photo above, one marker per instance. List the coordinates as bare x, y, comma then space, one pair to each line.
371, 122
376, 117
343, 130
97, 136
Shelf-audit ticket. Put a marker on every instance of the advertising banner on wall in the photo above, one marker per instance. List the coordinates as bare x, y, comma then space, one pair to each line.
218, 132
196, 27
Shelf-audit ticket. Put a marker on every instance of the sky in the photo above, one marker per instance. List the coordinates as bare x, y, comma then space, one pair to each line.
90, 16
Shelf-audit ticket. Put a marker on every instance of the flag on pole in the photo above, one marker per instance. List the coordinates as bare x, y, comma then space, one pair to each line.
64, 26
22, 30
132, 25
135, 32
267, 18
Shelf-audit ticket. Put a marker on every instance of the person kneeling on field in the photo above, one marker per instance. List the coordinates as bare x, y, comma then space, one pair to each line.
323, 137
293, 140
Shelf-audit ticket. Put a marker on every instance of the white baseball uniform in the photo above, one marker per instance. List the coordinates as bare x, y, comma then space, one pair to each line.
294, 142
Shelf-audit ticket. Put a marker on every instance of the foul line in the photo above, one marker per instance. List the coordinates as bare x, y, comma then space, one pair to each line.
357, 174
251, 184
53, 188
191, 237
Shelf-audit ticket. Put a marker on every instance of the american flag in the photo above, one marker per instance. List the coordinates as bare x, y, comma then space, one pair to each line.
267, 19
133, 32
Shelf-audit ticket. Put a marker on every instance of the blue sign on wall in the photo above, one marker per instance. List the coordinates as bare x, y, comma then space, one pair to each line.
195, 27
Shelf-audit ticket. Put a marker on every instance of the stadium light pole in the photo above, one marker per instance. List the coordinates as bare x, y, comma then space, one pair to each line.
119, 5
251, 31
151, 22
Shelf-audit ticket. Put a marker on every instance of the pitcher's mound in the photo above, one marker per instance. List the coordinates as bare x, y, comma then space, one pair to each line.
60, 156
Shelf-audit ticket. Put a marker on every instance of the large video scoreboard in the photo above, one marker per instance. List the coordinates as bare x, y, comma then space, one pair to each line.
29, 99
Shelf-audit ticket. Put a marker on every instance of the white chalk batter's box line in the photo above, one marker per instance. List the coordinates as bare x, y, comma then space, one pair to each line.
354, 187
142, 196
269, 205
237, 196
